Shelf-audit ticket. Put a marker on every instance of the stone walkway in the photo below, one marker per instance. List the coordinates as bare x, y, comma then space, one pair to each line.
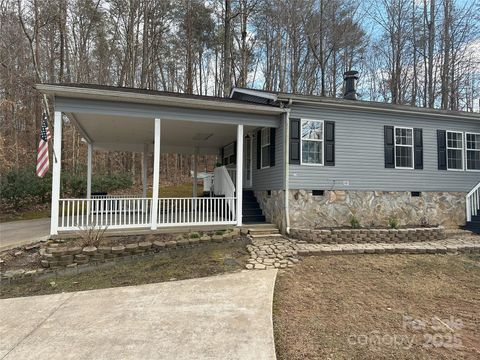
272, 252
275, 252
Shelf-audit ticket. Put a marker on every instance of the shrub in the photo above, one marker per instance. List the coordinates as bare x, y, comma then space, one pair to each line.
24, 186
18, 188
393, 223
219, 232
354, 223
91, 235
194, 235
108, 183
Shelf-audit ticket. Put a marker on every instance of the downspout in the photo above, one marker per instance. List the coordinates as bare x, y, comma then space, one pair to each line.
287, 165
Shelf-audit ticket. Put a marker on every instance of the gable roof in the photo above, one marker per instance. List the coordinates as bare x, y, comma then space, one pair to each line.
283, 99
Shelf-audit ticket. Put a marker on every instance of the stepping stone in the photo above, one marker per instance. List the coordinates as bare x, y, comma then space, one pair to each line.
259, 267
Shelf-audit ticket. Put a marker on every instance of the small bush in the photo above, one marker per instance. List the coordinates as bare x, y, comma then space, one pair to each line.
219, 232
194, 235
393, 223
91, 235
354, 223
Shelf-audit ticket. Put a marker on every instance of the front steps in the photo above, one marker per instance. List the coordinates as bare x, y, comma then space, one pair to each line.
252, 213
474, 225
256, 231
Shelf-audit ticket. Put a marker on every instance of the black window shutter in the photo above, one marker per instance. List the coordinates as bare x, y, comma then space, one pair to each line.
272, 146
418, 148
442, 149
234, 159
222, 152
259, 149
389, 147
329, 143
294, 141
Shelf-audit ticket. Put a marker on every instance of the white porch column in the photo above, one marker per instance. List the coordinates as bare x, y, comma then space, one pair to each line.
156, 173
89, 169
239, 184
195, 173
56, 172
144, 170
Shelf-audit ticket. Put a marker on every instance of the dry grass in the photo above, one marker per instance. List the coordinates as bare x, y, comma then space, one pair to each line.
182, 190
327, 307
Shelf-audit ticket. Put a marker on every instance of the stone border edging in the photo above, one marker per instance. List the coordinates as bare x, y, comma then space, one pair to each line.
58, 260
353, 236
409, 248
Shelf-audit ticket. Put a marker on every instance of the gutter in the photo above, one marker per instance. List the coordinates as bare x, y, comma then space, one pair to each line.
163, 100
363, 106
287, 166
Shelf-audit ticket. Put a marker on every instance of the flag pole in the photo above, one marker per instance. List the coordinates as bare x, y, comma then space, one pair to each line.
47, 110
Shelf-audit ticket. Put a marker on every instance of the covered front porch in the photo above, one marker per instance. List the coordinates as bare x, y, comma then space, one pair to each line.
155, 123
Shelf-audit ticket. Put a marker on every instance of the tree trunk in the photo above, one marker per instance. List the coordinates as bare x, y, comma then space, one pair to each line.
227, 49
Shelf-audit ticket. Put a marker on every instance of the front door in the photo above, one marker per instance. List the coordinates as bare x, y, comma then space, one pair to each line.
247, 161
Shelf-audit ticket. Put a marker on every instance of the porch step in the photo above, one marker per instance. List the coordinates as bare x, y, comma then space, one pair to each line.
263, 232
253, 218
252, 213
263, 236
474, 225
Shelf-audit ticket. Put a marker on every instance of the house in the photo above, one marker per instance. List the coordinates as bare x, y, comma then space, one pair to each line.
307, 161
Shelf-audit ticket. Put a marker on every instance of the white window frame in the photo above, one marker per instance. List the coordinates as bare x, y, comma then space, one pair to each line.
262, 145
450, 148
402, 145
322, 141
467, 150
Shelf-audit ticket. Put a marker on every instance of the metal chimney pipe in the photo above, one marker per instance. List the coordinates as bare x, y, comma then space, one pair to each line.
350, 85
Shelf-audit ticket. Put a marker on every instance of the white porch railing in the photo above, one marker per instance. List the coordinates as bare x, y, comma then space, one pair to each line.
473, 202
196, 211
123, 213
114, 213
233, 175
223, 183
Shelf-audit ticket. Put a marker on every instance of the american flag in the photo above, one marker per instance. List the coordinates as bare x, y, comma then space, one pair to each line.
42, 153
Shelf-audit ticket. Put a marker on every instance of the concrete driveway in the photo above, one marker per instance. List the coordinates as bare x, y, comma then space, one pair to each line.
22, 232
220, 317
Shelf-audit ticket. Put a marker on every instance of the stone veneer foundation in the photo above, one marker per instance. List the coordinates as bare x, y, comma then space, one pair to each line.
371, 208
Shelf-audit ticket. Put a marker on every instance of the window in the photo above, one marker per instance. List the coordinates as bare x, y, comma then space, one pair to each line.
312, 142
265, 148
229, 154
403, 148
454, 150
318, 192
472, 151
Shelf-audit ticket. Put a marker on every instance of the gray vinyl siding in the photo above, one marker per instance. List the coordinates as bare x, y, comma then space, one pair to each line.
272, 177
359, 154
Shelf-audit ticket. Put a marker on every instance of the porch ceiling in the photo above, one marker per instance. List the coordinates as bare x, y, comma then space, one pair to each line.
126, 133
